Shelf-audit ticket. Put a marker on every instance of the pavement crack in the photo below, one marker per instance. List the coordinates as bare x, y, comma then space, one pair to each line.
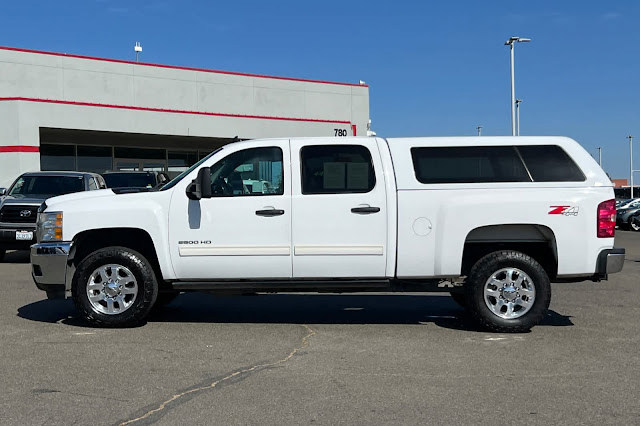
303, 344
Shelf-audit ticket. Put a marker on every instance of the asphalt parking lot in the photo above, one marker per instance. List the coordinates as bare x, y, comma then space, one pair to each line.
322, 359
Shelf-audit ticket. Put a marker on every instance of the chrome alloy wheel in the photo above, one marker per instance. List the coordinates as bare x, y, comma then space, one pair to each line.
112, 289
509, 293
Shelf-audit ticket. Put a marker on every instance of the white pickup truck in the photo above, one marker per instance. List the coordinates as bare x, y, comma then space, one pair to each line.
492, 220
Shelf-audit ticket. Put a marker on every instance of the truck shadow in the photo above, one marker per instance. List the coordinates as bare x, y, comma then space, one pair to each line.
18, 256
294, 309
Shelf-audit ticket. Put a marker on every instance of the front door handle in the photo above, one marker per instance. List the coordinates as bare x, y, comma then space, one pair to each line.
365, 210
269, 212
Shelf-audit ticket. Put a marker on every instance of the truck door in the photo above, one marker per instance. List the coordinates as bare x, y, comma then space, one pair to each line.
339, 222
244, 230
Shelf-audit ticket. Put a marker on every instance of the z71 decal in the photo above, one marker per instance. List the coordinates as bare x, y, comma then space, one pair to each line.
564, 210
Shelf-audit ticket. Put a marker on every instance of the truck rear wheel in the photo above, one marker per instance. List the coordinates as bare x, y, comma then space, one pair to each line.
114, 287
2, 253
508, 292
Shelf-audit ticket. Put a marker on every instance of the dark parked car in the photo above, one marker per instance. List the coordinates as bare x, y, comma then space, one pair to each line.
19, 204
139, 179
628, 214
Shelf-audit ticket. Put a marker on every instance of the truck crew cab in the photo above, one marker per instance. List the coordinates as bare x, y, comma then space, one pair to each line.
496, 218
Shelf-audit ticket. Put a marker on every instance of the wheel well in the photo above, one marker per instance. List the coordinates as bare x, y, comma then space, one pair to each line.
87, 242
537, 241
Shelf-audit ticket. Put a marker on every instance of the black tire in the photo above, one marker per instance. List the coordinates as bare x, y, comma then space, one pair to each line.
484, 269
460, 298
140, 304
634, 223
2, 253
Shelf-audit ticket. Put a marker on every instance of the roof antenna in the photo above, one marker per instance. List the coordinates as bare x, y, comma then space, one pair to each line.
235, 139
137, 48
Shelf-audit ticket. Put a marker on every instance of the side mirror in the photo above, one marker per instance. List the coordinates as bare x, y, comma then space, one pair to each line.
200, 187
3, 191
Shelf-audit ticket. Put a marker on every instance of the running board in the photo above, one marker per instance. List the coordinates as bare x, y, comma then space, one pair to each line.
286, 285
321, 286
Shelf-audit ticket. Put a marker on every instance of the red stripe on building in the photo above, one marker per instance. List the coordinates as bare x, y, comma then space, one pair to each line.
173, 111
19, 148
40, 52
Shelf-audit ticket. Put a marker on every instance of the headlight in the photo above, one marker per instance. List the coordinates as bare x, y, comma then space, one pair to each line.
49, 226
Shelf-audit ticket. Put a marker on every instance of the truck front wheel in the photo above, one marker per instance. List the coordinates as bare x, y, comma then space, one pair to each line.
508, 292
114, 287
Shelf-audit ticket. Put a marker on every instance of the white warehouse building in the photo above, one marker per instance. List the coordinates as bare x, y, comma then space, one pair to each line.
71, 112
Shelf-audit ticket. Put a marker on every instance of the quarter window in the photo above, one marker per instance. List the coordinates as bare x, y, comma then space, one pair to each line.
335, 169
92, 184
549, 163
254, 171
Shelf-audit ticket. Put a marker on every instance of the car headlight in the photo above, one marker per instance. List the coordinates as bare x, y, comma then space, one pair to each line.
49, 226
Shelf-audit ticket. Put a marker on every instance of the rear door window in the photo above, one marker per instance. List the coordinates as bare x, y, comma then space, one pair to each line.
336, 169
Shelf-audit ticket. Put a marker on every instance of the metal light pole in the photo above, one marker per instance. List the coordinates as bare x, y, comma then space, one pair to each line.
600, 156
631, 162
479, 130
518, 116
511, 43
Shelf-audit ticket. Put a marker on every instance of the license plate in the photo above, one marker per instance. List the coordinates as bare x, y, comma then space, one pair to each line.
24, 235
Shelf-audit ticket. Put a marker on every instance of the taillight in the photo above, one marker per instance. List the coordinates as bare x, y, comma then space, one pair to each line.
607, 219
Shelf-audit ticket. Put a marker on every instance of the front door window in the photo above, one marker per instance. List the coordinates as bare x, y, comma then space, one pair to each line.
255, 171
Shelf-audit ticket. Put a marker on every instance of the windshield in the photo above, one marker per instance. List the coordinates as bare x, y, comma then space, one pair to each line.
129, 180
178, 178
47, 186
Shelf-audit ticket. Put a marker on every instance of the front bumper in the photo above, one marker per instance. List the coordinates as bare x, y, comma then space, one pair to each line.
8, 238
51, 268
610, 261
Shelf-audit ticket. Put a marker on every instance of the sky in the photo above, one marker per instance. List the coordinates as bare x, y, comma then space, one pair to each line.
434, 68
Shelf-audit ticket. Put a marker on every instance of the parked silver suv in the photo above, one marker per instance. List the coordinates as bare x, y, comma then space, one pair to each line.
628, 214
19, 204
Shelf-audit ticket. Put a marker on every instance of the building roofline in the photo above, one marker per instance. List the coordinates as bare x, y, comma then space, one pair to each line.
120, 61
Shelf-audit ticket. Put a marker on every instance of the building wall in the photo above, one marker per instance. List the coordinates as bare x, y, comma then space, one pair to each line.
42, 89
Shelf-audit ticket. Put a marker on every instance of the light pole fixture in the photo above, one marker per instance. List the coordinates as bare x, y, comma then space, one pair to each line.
138, 49
479, 128
511, 43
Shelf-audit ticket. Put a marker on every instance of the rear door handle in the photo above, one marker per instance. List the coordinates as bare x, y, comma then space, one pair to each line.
269, 212
365, 210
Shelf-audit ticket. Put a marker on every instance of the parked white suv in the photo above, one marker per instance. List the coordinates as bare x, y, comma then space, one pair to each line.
492, 220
